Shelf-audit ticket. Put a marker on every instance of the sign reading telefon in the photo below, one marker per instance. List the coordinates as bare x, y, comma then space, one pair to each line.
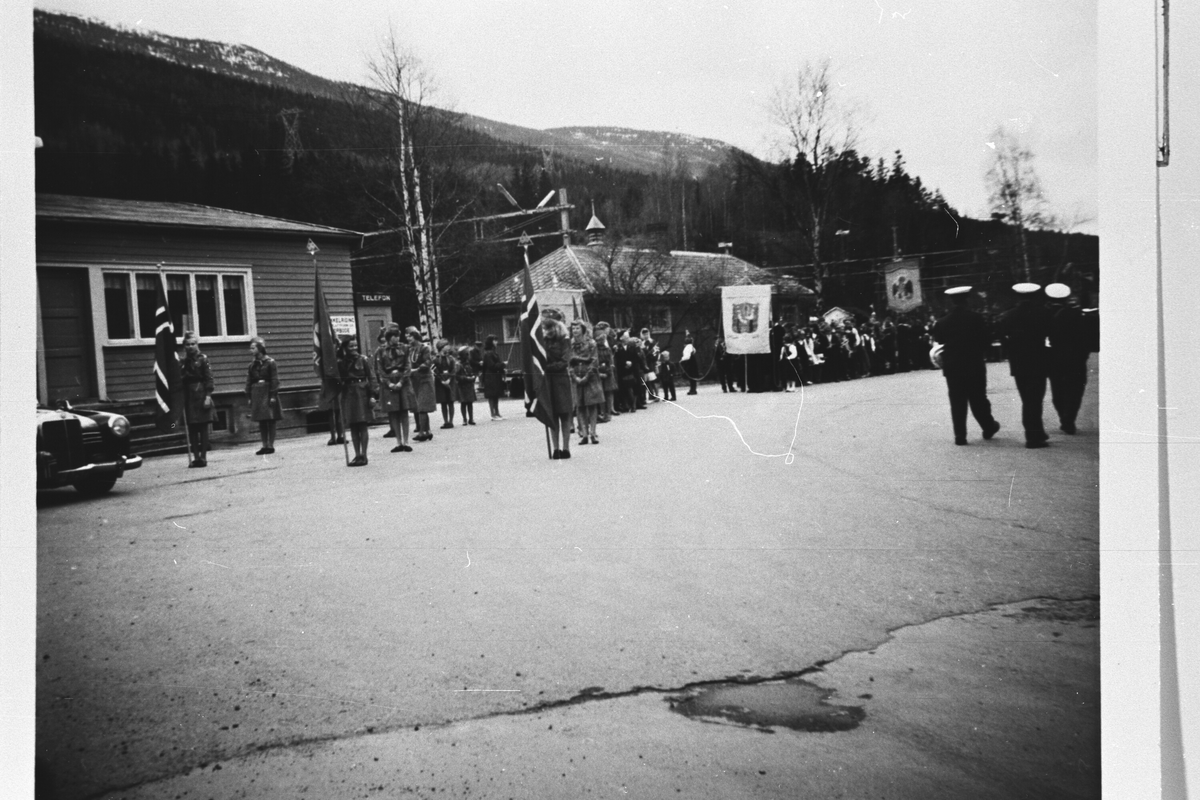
746, 314
903, 281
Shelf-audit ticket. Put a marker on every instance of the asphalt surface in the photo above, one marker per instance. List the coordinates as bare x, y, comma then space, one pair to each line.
274, 624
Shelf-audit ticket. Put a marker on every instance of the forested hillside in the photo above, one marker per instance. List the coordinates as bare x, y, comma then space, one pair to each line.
160, 120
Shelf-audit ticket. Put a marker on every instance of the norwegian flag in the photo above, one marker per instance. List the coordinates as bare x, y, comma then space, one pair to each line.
324, 339
168, 383
533, 350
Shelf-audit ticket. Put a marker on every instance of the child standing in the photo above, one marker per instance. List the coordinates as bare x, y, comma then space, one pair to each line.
666, 375
466, 385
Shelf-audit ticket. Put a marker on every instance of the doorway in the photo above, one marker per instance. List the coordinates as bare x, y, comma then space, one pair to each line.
66, 313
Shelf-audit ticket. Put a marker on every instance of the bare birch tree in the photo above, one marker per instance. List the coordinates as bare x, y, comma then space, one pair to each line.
820, 129
1016, 192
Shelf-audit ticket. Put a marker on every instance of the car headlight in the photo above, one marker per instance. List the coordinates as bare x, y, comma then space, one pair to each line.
119, 425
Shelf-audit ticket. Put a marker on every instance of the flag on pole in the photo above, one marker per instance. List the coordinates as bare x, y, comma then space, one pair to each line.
168, 383
324, 340
533, 350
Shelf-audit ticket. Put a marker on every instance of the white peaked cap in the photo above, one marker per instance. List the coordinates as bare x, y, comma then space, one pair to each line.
958, 290
1026, 288
1058, 291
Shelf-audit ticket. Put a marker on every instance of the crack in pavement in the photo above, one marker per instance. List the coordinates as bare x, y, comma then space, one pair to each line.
589, 695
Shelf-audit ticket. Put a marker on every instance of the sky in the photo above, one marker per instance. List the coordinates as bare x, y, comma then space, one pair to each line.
932, 78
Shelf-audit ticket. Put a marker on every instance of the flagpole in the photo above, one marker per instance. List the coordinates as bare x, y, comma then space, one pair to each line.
187, 429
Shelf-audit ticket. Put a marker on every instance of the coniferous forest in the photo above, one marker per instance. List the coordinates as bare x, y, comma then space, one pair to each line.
125, 124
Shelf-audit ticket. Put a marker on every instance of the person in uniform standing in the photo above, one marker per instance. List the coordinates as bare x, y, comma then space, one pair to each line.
465, 376
493, 377
964, 336
197, 378
420, 360
562, 401
721, 362
392, 370
1026, 329
358, 397
262, 387
606, 369
1069, 350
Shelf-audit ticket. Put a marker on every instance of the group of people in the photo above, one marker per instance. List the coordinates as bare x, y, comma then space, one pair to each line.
1047, 339
407, 375
596, 373
825, 352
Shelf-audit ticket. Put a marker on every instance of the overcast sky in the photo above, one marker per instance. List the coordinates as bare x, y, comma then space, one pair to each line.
935, 77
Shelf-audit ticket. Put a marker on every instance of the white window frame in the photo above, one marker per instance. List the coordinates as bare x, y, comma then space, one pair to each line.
516, 318
131, 271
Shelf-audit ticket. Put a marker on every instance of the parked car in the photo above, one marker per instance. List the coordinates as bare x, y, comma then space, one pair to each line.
86, 449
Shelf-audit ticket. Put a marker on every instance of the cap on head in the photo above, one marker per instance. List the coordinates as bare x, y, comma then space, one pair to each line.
1058, 291
1026, 288
553, 313
958, 290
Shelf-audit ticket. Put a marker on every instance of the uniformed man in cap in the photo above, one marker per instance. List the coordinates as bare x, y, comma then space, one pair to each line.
1069, 349
964, 336
1026, 329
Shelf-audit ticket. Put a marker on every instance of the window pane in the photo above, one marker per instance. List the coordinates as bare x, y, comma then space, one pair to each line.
512, 330
177, 299
206, 305
117, 305
235, 306
147, 304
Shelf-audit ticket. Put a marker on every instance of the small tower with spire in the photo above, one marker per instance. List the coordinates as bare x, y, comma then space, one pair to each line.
594, 230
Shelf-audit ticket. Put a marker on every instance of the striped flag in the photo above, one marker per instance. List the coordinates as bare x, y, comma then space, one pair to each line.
533, 349
168, 384
324, 339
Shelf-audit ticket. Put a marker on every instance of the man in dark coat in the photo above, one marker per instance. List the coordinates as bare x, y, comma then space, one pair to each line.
965, 339
1069, 350
1026, 329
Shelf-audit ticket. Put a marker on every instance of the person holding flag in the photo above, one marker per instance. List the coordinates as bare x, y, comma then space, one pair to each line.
168, 384
359, 393
197, 380
325, 361
539, 396
556, 380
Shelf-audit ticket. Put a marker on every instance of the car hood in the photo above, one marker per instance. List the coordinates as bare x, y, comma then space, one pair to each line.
49, 414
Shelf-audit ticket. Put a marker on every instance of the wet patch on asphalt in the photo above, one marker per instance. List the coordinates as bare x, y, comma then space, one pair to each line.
795, 704
1041, 609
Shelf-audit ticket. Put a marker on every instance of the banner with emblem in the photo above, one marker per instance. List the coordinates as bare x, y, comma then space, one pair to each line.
746, 314
903, 281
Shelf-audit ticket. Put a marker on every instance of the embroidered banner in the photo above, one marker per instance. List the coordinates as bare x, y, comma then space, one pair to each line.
746, 313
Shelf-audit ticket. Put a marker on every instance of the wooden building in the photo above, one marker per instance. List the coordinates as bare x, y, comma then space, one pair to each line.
633, 287
230, 276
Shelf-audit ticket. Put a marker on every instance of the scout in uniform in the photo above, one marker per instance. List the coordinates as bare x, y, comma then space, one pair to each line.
420, 360
965, 340
197, 397
262, 386
358, 397
391, 367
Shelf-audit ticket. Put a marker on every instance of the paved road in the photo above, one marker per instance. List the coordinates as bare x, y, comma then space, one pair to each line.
280, 617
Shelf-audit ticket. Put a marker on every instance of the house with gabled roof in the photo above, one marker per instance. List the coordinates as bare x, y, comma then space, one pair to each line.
230, 276
628, 286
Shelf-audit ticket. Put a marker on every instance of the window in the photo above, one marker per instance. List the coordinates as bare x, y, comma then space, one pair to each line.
512, 329
215, 305
659, 319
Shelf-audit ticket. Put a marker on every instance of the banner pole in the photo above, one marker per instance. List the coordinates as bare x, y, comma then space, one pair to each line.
341, 418
549, 451
187, 428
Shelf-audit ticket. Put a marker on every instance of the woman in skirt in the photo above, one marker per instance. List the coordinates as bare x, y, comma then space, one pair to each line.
420, 361
585, 374
607, 371
493, 377
358, 397
465, 377
446, 387
562, 404
262, 387
391, 366
197, 379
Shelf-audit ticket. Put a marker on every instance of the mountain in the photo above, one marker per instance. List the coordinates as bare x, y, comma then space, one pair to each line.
620, 148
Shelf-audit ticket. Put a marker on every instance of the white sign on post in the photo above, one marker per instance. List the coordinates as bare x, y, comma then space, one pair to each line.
343, 325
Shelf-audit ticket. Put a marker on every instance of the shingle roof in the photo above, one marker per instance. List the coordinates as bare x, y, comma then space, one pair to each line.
186, 215
640, 271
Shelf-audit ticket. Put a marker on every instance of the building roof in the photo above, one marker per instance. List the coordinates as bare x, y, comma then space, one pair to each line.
71, 208
632, 270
